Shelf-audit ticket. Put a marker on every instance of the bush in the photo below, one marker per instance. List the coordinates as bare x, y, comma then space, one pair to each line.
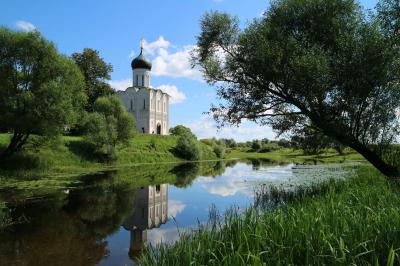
180, 130
269, 147
219, 151
108, 125
188, 148
255, 145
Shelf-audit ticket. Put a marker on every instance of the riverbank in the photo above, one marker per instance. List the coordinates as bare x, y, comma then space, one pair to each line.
285, 155
351, 222
69, 155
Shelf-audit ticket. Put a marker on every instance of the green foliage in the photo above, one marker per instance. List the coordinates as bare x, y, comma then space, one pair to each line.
269, 147
5, 219
41, 91
230, 143
328, 64
180, 130
255, 145
219, 151
188, 148
353, 222
108, 125
312, 141
96, 72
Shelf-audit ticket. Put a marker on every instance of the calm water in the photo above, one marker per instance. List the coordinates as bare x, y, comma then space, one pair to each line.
107, 218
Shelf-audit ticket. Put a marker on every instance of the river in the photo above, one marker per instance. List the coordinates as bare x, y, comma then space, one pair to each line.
106, 218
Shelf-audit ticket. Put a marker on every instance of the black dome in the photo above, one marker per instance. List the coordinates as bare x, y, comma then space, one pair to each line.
141, 62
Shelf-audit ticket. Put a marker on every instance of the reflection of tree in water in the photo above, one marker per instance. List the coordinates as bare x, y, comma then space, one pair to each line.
187, 172
68, 229
259, 162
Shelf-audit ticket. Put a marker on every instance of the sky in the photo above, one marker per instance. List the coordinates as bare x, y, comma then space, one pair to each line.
169, 29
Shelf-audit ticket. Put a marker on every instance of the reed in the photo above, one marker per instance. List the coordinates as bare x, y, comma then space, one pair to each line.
351, 222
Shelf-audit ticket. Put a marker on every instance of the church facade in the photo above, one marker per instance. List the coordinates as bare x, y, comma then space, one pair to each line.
150, 107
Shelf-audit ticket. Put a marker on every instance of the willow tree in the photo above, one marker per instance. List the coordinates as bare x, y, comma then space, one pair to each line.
41, 91
325, 64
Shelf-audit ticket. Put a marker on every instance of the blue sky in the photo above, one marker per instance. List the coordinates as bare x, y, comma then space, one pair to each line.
169, 28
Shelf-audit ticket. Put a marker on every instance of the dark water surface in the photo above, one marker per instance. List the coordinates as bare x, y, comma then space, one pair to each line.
107, 218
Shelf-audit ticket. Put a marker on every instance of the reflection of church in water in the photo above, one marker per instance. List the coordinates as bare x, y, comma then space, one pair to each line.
150, 211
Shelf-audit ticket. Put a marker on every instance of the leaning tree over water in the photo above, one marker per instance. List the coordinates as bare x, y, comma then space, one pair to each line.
325, 64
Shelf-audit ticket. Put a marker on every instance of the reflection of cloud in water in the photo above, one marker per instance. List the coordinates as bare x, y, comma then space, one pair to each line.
240, 179
175, 207
164, 235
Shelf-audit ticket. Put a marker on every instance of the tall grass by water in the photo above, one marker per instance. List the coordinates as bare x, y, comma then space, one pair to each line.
351, 222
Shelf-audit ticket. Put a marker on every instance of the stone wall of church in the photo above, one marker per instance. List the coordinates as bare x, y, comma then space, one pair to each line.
159, 112
149, 108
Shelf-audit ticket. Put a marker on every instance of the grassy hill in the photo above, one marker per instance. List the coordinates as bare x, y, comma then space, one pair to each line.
70, 155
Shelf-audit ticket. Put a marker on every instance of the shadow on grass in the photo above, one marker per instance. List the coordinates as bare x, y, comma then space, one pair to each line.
83, 149
22, 161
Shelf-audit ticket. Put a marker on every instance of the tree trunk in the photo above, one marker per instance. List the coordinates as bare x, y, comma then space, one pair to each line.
16, 143
376, 160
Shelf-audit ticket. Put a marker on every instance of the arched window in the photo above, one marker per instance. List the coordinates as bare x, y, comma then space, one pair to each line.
144, 103
143, 80
131, 105
137, 80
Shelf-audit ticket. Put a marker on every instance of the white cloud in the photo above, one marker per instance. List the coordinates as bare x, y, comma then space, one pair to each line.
120, 85
176, 95
168, 60
207, 128
175, 64
25, 25
153, 47
131, 54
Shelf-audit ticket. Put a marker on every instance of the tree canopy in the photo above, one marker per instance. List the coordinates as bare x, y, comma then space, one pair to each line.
41, 91
324, 64
180, 130
96, 73
107, 125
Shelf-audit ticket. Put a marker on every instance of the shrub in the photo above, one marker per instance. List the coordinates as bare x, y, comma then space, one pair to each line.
219, 151
255, 145
188, 148
108, 125
180, 130
269, 147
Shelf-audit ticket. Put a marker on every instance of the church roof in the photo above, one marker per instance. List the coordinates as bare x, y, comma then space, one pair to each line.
141, 62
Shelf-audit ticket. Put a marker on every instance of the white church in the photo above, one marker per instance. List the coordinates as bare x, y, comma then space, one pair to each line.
148, 105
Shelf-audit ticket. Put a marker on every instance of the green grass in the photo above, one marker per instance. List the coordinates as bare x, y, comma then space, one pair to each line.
71, 155
352, 222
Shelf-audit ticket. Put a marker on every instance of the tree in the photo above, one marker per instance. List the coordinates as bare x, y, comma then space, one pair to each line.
315, 62
219, 150
188, 148
310, 141
41, 91
180, 130
96, 73
107, 125
255, 145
